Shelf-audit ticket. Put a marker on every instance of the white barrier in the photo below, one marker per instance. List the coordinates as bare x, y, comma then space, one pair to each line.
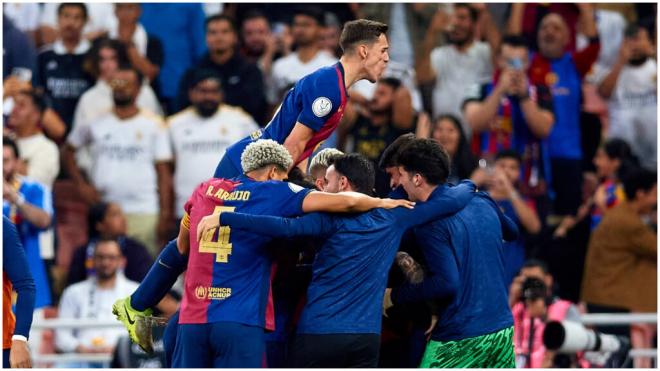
68, 323
73, 357
618, 318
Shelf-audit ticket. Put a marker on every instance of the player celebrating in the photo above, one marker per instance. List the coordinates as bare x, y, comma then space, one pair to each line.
312, 109
227, 283
307, 116
340, 324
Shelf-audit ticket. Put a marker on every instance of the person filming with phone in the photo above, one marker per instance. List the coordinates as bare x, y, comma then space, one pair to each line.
509, 113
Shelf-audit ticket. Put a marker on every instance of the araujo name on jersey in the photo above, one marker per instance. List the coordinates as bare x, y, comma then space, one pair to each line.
221, 194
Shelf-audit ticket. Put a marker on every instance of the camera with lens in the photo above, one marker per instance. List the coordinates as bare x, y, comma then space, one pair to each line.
533, 289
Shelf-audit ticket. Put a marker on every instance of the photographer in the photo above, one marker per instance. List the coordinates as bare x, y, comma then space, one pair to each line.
533, 305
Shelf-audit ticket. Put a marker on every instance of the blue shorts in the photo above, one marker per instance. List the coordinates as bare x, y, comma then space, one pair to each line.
219, 345
226, 169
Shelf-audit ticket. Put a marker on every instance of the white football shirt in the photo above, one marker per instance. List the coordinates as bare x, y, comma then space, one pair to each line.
199, 144
124, 154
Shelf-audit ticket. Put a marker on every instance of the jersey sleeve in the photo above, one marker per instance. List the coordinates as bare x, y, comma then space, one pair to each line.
80, 133
447, 203
187, 207
287, 198
321, 98
162, 144
314, 224
16, 266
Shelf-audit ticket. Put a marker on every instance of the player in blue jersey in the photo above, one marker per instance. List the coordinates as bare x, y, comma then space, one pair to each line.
340, 324
307, 116
464, 255
263, 161
312, 109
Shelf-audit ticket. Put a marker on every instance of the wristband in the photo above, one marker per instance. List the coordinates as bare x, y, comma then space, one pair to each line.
19, 337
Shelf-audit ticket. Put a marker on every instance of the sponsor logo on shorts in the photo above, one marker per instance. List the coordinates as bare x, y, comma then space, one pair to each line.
212, 293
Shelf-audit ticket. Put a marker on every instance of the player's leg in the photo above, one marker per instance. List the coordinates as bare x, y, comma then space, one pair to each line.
158, 281
169, 338
319, 350
364, 351
193, 346
235, 345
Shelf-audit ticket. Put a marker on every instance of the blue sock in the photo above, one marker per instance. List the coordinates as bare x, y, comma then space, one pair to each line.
160, 278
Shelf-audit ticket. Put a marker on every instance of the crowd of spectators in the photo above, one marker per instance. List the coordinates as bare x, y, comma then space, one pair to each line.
113, 113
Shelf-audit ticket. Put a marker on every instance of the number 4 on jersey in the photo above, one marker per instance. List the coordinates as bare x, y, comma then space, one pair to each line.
221, 248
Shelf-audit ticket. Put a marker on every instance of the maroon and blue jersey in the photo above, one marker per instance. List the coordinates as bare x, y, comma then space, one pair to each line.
228, 275
563, 76
316, 101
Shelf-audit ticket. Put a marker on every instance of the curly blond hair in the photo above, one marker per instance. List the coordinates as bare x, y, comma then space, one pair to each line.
265, 152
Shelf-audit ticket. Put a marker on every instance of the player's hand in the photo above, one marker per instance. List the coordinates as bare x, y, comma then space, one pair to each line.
387, 301
388, 203
19, 355
434, 321
206, 224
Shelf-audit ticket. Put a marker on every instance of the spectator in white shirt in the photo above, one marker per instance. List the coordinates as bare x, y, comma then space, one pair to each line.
631, 89
103, 61
309, 56
131, 158
459, 65
40, 154
92, 299
202, 132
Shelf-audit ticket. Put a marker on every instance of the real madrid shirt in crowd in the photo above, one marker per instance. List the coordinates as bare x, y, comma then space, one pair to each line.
635, 87
85, 300
124, 154
288, 70
63, 78
633, 110
97, 102
199, 144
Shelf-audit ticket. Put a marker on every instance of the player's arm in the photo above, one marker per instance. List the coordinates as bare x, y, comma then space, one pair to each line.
297, 140
183, 239
510, 230
348, 202
448, 203
18, 271
441, 284
315, 224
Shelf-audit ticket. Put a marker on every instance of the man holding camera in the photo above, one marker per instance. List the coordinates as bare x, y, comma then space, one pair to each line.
533, 305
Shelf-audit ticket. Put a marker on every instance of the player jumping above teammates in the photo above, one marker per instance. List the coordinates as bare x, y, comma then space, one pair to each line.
340, 324
227, 281
307, 116
312, 109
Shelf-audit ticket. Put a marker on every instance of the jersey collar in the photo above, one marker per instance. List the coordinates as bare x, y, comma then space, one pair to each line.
343, 77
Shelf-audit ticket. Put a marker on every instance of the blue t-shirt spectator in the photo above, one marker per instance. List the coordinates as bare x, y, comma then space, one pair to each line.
180, 28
